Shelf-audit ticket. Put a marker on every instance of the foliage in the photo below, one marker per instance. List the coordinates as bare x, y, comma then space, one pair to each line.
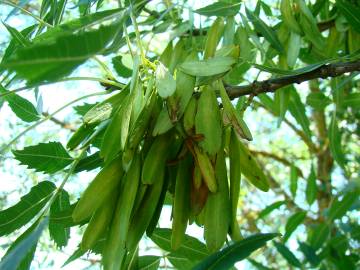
179, 126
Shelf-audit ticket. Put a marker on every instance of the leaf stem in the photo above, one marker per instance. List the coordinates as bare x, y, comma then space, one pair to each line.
47, 118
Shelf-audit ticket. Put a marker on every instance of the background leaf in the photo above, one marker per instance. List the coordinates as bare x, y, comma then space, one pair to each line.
23, 108
238, 251
287, 254
293, 222
59, 233
311, 188
219, 9
26, 209
22, 250
44, 157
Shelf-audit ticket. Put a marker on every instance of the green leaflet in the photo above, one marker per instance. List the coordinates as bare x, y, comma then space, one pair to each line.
268, 209
287, 254
335, 142
208, 121
191, 247
58, 232
351, 13
235, 252
21, 252
297, 110
352, 100
293, 180
268, 33
45, 157
318, 100
27, 208
219, 9
311, 187
293, 222
51, 61
23, 108
319, 235
338, 208
209, 67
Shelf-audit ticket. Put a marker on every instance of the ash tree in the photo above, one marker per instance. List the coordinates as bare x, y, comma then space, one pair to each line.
242, 118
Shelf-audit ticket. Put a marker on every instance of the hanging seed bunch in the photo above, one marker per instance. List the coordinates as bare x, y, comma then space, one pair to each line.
166, 132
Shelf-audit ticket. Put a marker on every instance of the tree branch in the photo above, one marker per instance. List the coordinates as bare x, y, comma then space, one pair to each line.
271, 85
60, 123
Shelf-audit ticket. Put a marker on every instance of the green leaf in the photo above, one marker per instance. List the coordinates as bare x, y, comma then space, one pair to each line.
339, 207
26, 209
297, 110
59, 233
220, 9
50, 61
165, 83
293, 180
282, 97
238, 251
335, 142
209, 67
23, 108
79, 24
22, 250
318, 100
311, 188
319, 235
287, 254
351, 13
120, 68
293, 222
268, 33
18, 36
191, 248
258, 265
89, 163
44, 157
84, 108
180, 262
310, 254
352, 100
148, 262
268, 209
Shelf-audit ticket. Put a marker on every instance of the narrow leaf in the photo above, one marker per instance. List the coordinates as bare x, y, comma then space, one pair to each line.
268, 33
24, 246
293, 222
219, 9
339, 207
266, 211
311, 188
23, 108
293, 180
58, 232
297, 110
44, 157
26, 209
335, 142
351, 13
238, 251
288, 255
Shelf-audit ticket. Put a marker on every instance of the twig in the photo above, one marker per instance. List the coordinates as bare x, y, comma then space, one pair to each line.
60, 123
271, 85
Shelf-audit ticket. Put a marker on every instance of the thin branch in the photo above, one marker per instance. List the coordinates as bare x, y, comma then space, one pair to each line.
271, 85
60, 123
277, 158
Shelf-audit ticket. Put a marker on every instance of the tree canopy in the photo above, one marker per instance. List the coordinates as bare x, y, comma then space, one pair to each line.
240, 118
